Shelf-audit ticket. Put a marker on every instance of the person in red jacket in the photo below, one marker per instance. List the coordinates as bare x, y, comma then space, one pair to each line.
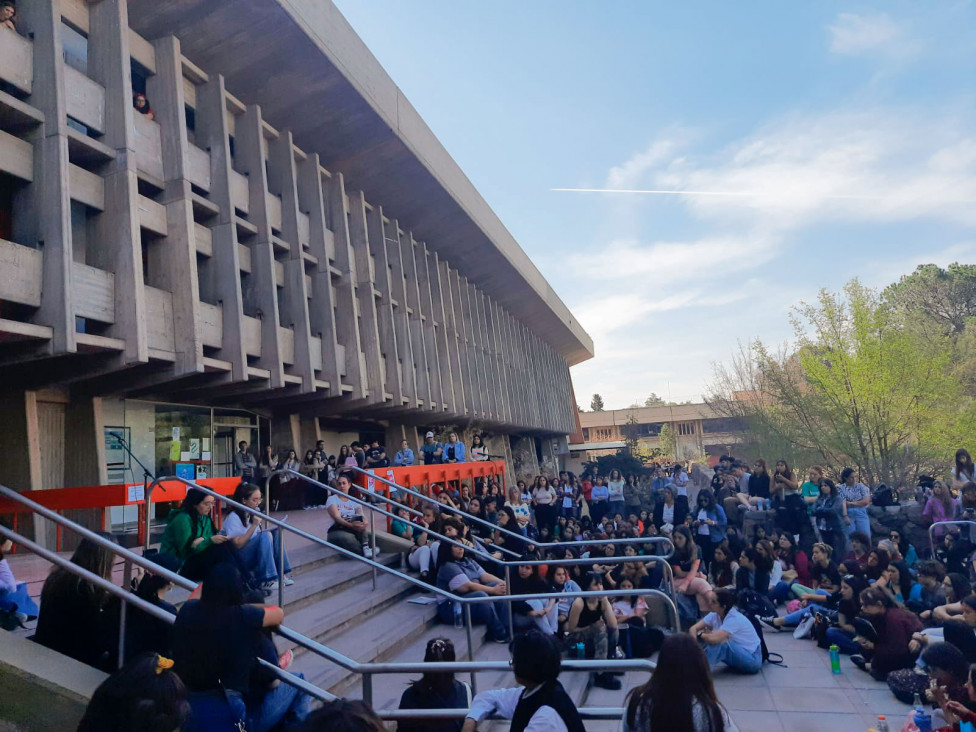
893, 628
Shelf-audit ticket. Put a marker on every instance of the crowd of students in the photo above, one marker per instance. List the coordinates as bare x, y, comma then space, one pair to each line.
908, 620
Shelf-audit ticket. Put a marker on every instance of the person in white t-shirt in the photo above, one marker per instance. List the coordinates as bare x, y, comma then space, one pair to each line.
348, 530
727, 635
963, 471
259, 549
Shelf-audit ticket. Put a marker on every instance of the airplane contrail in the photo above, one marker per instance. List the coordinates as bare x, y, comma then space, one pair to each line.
702, 193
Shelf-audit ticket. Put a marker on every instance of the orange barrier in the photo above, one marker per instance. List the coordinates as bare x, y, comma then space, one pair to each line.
106, 496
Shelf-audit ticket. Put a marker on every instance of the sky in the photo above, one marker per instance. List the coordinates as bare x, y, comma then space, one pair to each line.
798, 144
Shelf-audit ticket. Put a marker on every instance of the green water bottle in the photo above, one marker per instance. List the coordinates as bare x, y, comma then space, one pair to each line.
834, 659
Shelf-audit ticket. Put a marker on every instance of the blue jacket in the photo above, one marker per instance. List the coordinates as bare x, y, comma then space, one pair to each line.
458, 451
404, 458
717, 514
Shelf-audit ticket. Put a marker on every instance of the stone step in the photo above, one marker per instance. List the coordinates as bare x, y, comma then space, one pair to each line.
329, 579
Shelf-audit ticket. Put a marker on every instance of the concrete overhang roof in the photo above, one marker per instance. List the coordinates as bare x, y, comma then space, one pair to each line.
306, 67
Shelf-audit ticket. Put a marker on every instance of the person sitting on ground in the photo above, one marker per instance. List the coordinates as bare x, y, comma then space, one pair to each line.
897, 581
685, 563
543, 703
894, 628
931, 592
420, 556
15, 600
73, 619
824, 575
877, 564
216, 643
753, 572
145, 633
435, 690
962, 712
190, 536
348, 530
343, 715
528, 613
722, 571
944, 679
728, 636
458, 573
631, 612
842, 632
680, 694
145, 695
141, 105
258, 549
561, 581
592, 622
400, 527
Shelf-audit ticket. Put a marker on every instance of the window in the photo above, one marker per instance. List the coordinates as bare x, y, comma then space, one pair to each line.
686, 428
724, 424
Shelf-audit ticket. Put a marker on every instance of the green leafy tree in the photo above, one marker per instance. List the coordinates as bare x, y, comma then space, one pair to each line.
668, 441
596, 403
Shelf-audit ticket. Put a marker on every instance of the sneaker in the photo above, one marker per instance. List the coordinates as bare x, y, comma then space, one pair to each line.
768, 622
367, 552
270, 586
805, 627
607, 681
619, 653
858, 660
289, 581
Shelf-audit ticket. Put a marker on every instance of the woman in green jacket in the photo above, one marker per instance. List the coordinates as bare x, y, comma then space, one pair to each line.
190, 537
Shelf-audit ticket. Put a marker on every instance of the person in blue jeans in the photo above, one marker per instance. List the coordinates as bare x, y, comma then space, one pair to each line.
258, 549
462, 575
842, 634
728, 636
857, 498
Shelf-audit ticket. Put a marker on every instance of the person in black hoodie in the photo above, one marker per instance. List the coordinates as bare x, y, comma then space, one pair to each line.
436, 690
536, 663
668, 510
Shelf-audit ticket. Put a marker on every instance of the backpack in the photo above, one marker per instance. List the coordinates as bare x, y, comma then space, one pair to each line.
767, 657
752, 603
884, 496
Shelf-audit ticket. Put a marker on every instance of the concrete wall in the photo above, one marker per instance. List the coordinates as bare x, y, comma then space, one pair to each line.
41, 690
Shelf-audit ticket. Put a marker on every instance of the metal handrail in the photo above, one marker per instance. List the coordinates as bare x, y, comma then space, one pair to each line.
959, 522
384, 512
128, 598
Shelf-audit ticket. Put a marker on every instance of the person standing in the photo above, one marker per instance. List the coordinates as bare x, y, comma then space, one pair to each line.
544, 501
376, 456
404, 457
245, 465
432, 450
857, 498
479, 451
268, 463
454, 449
615, 489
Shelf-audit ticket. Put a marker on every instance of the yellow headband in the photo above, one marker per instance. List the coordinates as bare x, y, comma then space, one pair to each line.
163, 664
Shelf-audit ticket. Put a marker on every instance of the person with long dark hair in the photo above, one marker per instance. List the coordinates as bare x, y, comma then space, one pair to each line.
680, 695
721, 572
685, 565
592, 622
257, 549
436, 690
893, 627
842, 632
216, 643
544, 503
857, 498
963, 471
190, 536
460, 574
348, 530
542, 703
143, 696
709, 524
528, 613
668, 512
830, 513
73, 618
145, 633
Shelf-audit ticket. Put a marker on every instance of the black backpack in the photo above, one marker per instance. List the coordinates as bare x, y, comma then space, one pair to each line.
767, 657
752, 603
884, 496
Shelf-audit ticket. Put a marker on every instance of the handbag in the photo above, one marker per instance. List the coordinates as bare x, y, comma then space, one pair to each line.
216, 711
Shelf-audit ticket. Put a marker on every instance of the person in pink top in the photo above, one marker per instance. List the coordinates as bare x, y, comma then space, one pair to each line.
939, 507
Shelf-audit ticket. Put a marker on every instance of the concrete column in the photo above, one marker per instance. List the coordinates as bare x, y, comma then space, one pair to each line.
347, 306
434, 342
401, 320
321, 308
286, 434
211, 130
441, 284
44, 207
377, 232
177, 270
294, 296
117, 231
417, 323
368, 326
251, 154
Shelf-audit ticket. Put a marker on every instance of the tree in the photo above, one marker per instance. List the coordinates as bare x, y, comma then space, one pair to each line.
668, 439
945, 297
596, 403
863, 386
654, 401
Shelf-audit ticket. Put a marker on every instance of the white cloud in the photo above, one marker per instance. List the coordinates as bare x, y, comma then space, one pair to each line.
631, 172
853, 34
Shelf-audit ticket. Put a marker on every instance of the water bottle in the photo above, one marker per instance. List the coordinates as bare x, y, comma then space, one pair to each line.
458, 615
581, 651
834, 659
882, 725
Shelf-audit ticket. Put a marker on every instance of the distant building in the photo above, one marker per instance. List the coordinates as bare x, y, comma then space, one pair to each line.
698, 429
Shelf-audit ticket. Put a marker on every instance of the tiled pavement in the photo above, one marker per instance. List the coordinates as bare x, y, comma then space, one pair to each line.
806, 695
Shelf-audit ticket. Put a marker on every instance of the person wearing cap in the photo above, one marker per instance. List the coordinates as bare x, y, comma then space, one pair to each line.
433, 450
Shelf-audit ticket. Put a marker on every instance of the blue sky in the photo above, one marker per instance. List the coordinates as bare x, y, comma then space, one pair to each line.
846, 135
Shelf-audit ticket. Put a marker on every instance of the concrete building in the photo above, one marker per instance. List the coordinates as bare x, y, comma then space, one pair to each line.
286, 253
698, 430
